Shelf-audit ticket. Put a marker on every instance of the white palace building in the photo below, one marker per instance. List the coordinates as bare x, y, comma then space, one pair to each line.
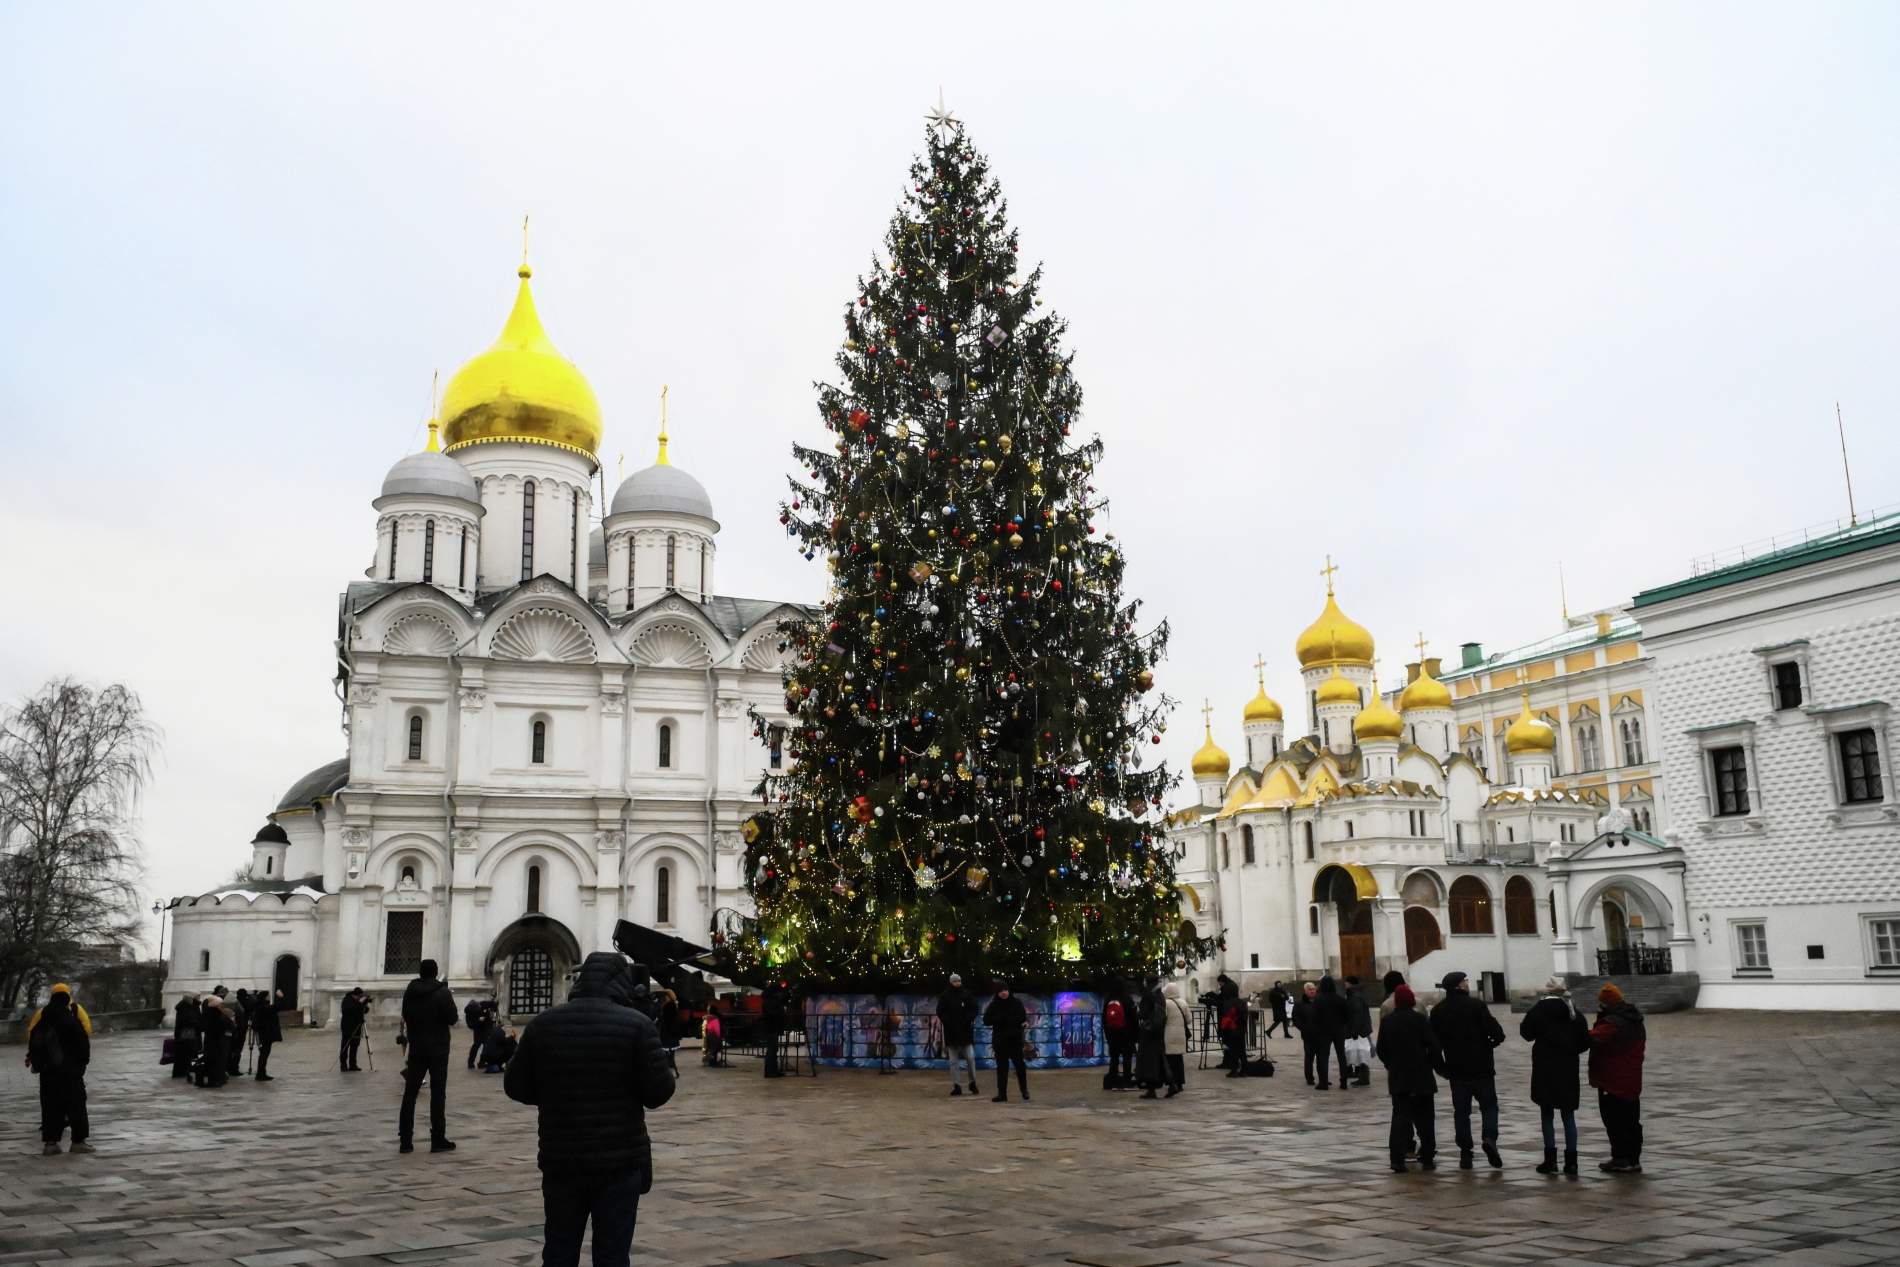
546, 722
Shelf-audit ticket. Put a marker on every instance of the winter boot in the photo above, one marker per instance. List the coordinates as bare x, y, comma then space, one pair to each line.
1570, 1161
1464, 1159
1491, 1155
1550, 1163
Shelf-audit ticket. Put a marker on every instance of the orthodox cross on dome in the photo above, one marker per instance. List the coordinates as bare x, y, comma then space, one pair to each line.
940, 118
1207, 714
1421, 644
1327, 572
1260, 669
661, 460
524, 272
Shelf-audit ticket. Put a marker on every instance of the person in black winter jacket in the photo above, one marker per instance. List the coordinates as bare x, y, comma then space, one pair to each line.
185, 1036
240, 1010
1121, 1039
1008, 1019
428, 1013
355, 1015
1558, 1034
267, 1027
956, 1018
1410, 1052
214, 1031
592, 1067
1360, 1026
478, 1015
1468, 1034
1151, 1026
62, 1077
1329, 1018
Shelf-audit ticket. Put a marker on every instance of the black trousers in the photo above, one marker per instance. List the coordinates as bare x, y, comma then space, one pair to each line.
1412, 1113
1284, 1024
1623, 1123
346, 1051
433, 1065
613, 1202
236, 1056
1176, 1070
1005, 1057
263, 1057
1318, 1050
480, 1033
1121, 1064
771, 1053
184, 1055
63, 1104
211, 1070
1233, 1051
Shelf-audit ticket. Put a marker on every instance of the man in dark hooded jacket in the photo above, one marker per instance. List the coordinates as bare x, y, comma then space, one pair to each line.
1329, 1020
268, 1028
1469, 1034
592, 1066
428, 1013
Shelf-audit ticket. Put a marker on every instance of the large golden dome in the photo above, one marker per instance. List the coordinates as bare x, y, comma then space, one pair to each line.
1528, 734
1425, 691
1334, 637
1377, 721
1336, 690
521, 389
1210, 759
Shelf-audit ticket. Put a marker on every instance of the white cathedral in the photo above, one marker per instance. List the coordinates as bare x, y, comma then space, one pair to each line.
547, 723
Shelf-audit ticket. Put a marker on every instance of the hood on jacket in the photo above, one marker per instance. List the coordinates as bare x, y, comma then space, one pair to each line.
1172, 990
1326, 986
605, 975
1628, 1021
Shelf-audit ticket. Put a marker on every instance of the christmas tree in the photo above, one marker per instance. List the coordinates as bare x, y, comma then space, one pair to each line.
969, 713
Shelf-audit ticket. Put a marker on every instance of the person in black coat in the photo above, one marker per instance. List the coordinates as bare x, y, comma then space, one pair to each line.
355, 1015
428, 1014
956, 1019
62, 1080
479, 1014
1329, 1018
1468, 1033
592, 1067
214, 1031
1008, 1019
1558, 1035
1122, 1039
185, 1036
1277, 1013
498, 1048
1410, 1052
1360, 1026
267, 1027
772, 1020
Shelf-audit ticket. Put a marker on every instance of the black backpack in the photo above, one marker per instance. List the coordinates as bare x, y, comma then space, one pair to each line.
44, 1049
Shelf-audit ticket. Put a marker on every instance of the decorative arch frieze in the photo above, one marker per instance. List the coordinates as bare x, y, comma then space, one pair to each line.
545, 635
671, 646
529, 842
419, 634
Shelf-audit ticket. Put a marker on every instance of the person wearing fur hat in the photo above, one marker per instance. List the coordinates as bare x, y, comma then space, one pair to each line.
1616, 1071
1558, 1034
1410, 1052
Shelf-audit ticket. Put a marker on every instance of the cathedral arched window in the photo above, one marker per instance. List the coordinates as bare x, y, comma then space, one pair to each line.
1470, 906
1246, 844
1276, 747
539, 755
574, 546
663, 896
461, 550
415, 737
534, 890
270, 865
408, 877
1226, 858
672, 545
702, 571
1520, 907
527, 529
666, 747
428, 551
395, 535
1308, 825
633, 549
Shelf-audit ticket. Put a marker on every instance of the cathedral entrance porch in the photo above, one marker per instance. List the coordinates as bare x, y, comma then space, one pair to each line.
529, 965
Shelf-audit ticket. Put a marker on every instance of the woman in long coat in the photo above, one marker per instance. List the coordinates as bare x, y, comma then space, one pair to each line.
1151, 1057
1558, 1035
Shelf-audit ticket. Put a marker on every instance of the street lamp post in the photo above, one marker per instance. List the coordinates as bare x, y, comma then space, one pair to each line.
158, 909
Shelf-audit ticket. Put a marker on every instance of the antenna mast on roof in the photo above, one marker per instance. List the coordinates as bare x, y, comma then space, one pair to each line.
1853, 520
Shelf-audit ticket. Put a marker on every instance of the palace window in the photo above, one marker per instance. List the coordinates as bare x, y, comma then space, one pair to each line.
527, 529
402, 943
1246, 845
1788, 685
1751, 947
1422, 936
666, 747
1470, 906
1883, 943
672, 545
539, 754
1729, 769
1630, 729
1589, 748
415, 737
428, 551
1641, 817
1860, 766
1520, 907
663, 896
534, 890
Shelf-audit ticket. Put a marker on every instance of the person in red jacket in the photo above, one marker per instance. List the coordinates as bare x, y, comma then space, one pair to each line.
1616, 1071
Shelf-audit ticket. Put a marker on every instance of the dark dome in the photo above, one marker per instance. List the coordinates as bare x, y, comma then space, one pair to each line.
270, 834
315, 786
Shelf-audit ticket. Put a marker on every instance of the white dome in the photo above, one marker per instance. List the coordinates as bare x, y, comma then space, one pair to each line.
666, 489
432, 474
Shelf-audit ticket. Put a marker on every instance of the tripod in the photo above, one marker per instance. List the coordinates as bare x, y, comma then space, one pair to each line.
250, 1045
362, 1031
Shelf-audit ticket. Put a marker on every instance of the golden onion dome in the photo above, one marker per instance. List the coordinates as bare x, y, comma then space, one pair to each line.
1210, 760
1337, 690
1334, 636
1377, 721
1425, 691
1528, 734
521, 389
1262, 707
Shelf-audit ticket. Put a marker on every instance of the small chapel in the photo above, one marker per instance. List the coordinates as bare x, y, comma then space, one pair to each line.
1370, 842
546, 721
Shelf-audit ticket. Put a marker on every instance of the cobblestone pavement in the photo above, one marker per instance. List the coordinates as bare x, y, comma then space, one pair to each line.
1772, 1138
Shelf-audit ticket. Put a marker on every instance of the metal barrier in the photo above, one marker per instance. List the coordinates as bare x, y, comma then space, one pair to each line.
1642, 961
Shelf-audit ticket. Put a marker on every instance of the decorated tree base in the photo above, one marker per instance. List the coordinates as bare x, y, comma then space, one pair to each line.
900, 1031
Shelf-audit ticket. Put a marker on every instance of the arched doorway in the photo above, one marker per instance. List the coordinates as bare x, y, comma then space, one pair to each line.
285, 979
528, 964
1616, 924
1350, 891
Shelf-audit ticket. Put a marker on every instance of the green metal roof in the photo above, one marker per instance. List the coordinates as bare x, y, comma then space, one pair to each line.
1623, 627
1879, 531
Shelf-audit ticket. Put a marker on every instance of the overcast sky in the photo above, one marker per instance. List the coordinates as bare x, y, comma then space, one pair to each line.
1454, 294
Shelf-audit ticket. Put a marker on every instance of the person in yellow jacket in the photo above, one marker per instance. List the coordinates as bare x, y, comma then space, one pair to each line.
59, 1046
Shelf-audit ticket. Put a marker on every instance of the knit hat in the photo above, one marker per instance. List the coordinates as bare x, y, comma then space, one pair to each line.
1609, 995
1403, 997
61, 988
1556, 985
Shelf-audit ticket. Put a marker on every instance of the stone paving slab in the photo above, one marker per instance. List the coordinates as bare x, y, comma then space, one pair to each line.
1772, 1138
